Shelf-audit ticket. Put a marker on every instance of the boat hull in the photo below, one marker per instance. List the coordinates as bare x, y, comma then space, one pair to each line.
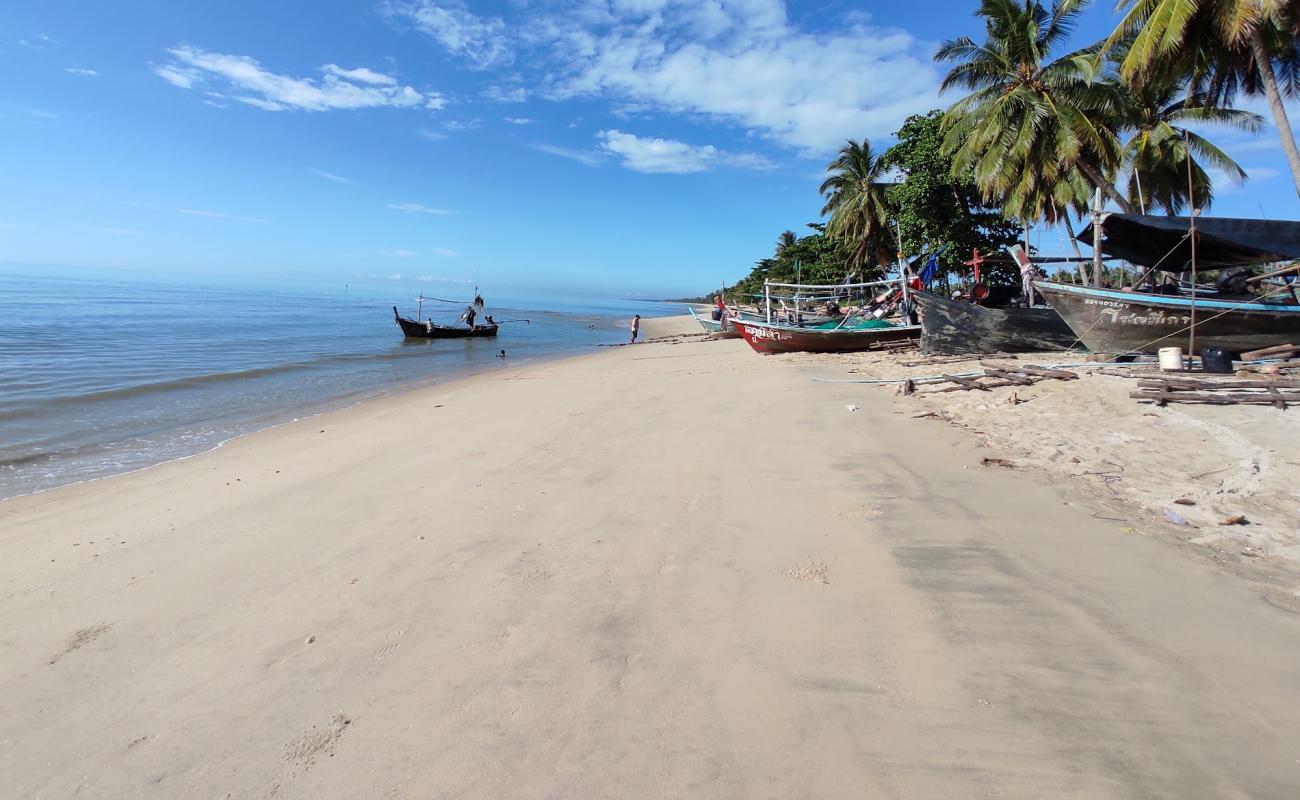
714, 326
770, 339
1107, 321
950, 327
412, 329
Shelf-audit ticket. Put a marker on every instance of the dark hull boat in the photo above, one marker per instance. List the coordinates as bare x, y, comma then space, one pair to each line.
414, 329
768, 338
955, 328
1109, 321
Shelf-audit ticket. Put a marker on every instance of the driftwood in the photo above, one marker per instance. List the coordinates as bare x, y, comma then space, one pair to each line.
1234, 383
1162, 397
998, 375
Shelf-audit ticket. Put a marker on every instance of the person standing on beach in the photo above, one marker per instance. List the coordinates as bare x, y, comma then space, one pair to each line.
636, 327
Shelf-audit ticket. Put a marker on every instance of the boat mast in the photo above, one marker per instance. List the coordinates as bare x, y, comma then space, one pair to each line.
1191, 233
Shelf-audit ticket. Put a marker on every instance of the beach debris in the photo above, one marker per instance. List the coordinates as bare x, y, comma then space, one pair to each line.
1226, 391
1175, 518
1276, 351
1239, 519
908, 387
851, 407
310, 639
997, 462
995, 376
1185, 501
809, 570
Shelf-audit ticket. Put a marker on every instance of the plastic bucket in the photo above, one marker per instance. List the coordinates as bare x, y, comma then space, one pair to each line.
1171, 358
1216, 359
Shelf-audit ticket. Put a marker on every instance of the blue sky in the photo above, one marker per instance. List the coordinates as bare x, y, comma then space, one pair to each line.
649, 147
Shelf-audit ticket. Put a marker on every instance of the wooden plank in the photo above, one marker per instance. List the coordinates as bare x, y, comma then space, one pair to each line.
995, 384
1262, 398
969, 383
1235, 383
1033, 369
1276, 351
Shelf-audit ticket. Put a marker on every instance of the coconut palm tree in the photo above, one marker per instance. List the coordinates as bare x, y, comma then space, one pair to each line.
1160, 151
1224, 46
1034, 121
785, 241
857, 201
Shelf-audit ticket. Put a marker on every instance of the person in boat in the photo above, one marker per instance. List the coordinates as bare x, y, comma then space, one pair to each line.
833, 309
636, 327
490, 322
469, 316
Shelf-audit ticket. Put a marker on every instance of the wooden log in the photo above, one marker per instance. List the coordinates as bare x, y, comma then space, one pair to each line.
1235, 383
994, 384
1033, 369
1276, 351
1223, 399
969, 383
1020, 380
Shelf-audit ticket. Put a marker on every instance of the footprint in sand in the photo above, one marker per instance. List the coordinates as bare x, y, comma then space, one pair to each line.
391, 641
80, 639
303, 750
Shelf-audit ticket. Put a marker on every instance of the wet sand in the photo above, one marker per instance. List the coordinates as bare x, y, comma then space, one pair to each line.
666, 570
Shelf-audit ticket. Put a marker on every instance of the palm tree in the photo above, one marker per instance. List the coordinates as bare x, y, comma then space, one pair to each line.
785, 241
857, 201
1160, 152
1223, 45
1032, 126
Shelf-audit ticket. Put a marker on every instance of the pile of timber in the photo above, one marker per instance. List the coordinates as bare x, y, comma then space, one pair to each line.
1264, 391
996, 376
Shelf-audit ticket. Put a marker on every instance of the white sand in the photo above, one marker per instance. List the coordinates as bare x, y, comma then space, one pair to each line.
666, 570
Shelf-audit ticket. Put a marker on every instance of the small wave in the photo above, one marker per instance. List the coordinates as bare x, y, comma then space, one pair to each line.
194, 381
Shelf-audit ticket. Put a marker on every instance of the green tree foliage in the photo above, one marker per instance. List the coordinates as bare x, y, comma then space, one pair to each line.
1036, 121
816, 258
937, 208
1221, 47
857, 201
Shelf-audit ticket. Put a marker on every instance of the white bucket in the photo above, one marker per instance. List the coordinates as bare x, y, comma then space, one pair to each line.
1171, 358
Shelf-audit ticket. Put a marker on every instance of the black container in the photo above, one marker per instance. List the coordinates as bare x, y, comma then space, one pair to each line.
1216, 359
717, 313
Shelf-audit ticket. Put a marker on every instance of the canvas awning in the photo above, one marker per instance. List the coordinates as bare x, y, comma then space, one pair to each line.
1151, 241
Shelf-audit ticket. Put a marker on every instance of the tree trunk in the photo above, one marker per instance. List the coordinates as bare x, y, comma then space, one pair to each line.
1265, 67
1069, 228
1103, 184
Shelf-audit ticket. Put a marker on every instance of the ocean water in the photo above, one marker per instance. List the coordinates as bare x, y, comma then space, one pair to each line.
103, 372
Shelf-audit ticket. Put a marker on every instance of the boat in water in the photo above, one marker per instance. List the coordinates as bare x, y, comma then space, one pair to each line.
414, 329
830, 337
952, 327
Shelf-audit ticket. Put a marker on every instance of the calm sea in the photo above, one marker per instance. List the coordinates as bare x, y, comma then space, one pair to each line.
103, 372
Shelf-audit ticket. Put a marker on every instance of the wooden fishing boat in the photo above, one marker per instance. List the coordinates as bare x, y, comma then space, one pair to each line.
768, 338
414, 329
713, 326
952, 327
1110, 321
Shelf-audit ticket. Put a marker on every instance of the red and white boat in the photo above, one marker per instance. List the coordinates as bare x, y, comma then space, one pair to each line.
770, 337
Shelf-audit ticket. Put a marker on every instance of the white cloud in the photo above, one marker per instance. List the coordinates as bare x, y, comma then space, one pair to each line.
671, 156
479, 41
197, 212
501, 94
416, 208
519, 120
400, 253
89, 73
359, 75
443, 251
330, 176
581, 156
246, 81
744, 63
431, 135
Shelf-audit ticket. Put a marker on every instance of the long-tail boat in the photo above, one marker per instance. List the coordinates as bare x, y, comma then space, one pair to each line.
951, 327
830, 337
414, 329
1111, 321
1234, 319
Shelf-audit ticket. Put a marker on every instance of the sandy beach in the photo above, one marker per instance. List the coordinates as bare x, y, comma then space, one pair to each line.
675, 569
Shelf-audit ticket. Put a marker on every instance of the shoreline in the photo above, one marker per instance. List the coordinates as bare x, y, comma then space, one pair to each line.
677, 569
339, 403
